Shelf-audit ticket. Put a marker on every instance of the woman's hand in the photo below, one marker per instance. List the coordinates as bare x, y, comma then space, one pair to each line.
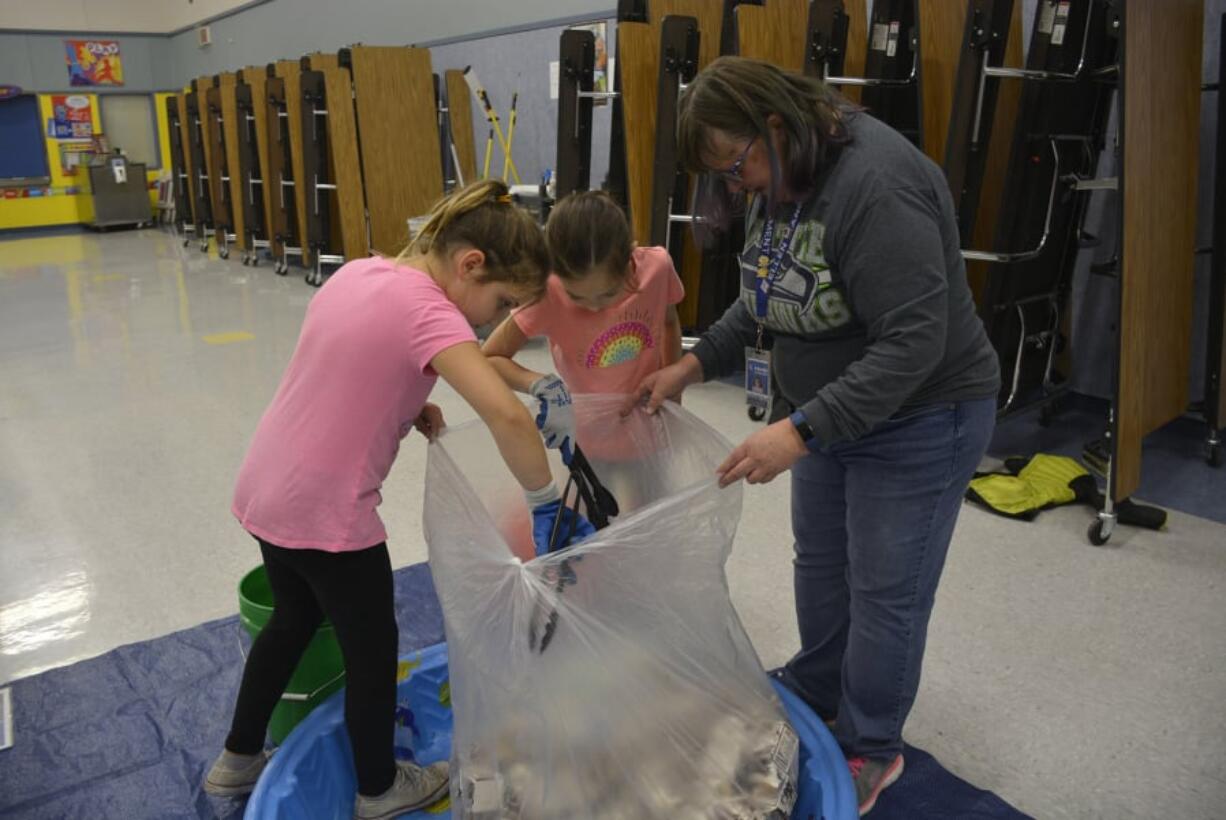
764, 455
430, 422
666, 383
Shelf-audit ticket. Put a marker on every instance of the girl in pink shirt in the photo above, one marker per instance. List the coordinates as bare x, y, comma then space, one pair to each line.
609, 313
375, 339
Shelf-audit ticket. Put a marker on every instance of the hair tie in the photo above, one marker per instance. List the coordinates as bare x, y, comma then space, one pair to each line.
504, 199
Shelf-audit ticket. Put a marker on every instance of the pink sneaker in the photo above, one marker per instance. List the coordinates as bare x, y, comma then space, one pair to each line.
872, 776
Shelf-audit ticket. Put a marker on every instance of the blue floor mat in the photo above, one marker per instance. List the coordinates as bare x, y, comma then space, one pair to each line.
1174, 473
130, 734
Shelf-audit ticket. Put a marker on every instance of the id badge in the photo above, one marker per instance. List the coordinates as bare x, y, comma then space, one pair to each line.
758, 378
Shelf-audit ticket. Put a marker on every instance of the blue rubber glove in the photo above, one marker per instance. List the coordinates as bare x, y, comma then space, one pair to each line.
543, 518
556, 416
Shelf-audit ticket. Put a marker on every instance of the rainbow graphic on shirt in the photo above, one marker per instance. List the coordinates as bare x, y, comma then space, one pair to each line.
623, 342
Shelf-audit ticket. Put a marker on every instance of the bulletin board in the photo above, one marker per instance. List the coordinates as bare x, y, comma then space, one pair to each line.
25, 154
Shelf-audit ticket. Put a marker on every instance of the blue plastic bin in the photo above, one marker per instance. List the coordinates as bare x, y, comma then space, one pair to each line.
311, 776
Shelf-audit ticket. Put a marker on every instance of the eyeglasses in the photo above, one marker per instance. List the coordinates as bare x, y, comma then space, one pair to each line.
733, 172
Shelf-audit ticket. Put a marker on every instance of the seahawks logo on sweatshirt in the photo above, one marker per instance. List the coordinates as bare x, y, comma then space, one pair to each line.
805, 301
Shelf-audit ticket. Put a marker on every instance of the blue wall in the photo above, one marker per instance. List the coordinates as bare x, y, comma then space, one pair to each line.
36, 62
287, 29
520, 62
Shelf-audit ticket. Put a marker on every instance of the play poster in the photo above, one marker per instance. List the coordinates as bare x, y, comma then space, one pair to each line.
93, 62
71, 117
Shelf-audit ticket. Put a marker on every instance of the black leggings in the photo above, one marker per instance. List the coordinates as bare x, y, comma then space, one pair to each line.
354, 591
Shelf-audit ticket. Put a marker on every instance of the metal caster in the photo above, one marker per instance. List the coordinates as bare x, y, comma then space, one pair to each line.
1102, 527
255, 259
204, 246
244, 260
224, 253
280, 268
187, 240
756, 413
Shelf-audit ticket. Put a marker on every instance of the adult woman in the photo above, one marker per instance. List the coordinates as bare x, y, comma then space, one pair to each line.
885, 377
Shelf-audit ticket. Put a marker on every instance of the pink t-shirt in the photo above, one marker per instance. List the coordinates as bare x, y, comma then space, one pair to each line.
611, 350
358, 379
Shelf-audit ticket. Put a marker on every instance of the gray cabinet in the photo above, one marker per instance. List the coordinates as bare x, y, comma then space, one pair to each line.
120, 191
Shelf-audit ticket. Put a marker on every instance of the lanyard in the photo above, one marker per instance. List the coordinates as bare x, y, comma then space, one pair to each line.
770, 265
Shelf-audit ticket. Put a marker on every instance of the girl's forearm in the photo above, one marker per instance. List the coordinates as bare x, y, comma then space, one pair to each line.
519, 443
513, 374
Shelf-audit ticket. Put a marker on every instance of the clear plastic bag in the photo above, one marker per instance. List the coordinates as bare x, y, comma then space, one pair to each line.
649, 700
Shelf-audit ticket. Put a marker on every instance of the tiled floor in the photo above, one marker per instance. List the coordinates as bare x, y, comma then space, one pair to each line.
1074, 681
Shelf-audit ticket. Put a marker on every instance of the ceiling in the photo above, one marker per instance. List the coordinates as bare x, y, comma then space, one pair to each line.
128, 16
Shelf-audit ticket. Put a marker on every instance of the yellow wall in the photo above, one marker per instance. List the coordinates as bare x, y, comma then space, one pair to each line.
62, 209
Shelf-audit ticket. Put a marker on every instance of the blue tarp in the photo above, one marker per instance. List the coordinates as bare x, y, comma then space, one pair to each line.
927, 791
130, 734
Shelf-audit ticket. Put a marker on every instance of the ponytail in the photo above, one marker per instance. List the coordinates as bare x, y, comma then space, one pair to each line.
482, 216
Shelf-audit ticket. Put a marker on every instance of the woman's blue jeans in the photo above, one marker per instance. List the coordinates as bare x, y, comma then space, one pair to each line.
872, 519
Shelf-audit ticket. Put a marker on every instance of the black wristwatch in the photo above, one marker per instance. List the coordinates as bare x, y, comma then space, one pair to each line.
802, 426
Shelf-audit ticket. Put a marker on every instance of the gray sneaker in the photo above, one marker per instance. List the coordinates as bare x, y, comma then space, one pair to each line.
233, 774
872, 776
415, 787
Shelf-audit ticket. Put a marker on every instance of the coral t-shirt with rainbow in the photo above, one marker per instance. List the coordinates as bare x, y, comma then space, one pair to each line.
610, 350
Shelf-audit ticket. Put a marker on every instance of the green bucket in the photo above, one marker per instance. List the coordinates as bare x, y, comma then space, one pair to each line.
320, 671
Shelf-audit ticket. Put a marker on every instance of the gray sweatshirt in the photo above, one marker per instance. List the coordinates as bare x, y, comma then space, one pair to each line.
872, 315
